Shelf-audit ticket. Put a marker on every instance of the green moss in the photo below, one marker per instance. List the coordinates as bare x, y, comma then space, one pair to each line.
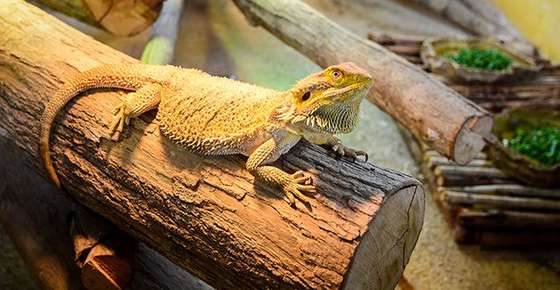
487, 59
541, 144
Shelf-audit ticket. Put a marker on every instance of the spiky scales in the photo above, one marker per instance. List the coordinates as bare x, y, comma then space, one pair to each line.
218, 116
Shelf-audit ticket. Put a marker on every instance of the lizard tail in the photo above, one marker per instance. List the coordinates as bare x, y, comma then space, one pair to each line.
101, 77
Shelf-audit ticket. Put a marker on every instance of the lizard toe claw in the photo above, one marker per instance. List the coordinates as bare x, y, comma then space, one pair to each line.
117, 109
299, 177
363, 153
119, 120
344, 151
299, 184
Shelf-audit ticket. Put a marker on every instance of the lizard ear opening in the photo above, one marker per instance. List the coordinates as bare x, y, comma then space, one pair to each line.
306, 96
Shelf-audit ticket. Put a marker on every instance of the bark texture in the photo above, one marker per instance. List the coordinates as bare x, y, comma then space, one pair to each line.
433, 112
205, 214
119, 17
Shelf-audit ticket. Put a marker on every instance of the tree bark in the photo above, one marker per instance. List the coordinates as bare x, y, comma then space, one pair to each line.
433, 112
507, 219
500, 202
119, 17
205, 214
522, 239
509, 190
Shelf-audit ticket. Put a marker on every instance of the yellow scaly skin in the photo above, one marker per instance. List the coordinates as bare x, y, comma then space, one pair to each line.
218, 116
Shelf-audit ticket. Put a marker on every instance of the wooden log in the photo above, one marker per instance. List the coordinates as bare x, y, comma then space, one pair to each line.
458, 180
502, 239
433, 161
500, 219
468, 171
413, 59
434, 113
403, 50
492, 14
476, 18
495, 201
205, 214
516, 97
511, 91
119, 17
509, 189
456, 175
506, 89
36, 217
498, 106
479, 156
392, 39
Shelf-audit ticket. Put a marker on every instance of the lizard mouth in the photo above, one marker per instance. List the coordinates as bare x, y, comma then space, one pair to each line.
338, 97
341, 115
346, 92
336, 112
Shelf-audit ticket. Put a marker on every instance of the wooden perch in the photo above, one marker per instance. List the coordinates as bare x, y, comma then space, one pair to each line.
504, 238
393, 40
510, 189
205, 214
119, 17
496, 201
433, 161
434, 113
496, 218
482, 18
498, 106
36, 217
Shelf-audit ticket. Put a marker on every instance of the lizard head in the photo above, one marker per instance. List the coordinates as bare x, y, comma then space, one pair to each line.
328, 101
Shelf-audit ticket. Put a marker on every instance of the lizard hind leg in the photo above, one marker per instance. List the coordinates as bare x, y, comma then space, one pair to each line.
134, 104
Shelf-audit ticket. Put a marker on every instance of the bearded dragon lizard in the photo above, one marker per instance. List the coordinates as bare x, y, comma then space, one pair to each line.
219, 116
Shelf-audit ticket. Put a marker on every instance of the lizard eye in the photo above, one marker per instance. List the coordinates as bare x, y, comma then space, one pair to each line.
336, 74
306, 96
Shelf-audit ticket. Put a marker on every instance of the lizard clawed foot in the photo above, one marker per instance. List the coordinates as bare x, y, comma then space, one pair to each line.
344, 151
121, 118
300, 182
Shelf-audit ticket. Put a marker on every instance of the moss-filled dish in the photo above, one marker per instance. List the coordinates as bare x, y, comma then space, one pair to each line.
475, 59
526, 145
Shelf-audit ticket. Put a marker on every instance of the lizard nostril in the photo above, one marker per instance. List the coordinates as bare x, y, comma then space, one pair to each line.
306, 96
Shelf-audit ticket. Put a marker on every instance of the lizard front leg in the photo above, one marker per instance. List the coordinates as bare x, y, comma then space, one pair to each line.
135, 104
292, 185
339, 148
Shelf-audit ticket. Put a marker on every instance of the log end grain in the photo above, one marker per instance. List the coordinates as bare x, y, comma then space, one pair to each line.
470, 140
397, 225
